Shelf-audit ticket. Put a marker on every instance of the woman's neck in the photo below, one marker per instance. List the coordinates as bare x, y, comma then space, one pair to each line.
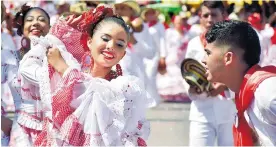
100, 71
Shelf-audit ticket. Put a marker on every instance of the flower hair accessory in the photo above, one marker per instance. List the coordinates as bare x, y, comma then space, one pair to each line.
18, 19
93, 17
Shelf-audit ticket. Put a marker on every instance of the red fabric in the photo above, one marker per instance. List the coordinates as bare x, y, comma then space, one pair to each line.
242, 132
202, 39
152, 23
255, 20
223, 94
166, 25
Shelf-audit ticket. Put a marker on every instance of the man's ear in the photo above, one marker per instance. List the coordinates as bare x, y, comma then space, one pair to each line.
228, 58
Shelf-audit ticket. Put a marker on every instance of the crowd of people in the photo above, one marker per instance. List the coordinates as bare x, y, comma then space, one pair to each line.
85, 73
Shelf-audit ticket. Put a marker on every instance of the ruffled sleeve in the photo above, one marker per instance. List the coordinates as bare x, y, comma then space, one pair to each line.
106, 114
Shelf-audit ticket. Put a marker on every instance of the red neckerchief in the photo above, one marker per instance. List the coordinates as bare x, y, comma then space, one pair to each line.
202, 39
152, 23
166, 25
241, 130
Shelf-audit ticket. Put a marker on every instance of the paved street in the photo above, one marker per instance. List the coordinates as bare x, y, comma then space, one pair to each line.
169, 124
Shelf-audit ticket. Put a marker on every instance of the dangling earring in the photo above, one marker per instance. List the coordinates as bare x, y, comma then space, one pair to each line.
119, 70
83, 60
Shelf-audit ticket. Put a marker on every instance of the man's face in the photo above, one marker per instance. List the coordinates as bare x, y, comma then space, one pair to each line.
151, 15
214, 61
124, 10
178, 23
210, 16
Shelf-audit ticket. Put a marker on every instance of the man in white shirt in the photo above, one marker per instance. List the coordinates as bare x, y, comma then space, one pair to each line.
208, 121
140, 44
233, 52
157, 32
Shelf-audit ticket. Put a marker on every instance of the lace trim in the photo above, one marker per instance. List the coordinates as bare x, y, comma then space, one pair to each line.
29, 121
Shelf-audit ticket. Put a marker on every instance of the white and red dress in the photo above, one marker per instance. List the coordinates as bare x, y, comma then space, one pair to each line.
80, 110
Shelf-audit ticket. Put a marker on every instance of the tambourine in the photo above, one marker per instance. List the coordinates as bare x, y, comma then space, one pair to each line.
194, 74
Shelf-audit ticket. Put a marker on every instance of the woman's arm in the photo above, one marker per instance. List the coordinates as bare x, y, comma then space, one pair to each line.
6, 125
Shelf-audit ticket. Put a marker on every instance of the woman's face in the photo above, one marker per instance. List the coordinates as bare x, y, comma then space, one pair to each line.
36, 23
108, 44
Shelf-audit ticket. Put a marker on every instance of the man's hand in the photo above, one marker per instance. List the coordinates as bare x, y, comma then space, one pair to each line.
217, 88
194, 90
162, 67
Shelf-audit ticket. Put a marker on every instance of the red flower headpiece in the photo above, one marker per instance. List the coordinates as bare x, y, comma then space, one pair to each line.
93, 16
74, 34
18, 19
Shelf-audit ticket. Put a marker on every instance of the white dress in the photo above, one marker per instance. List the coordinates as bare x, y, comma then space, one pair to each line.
9, 66
80, 110
170, 85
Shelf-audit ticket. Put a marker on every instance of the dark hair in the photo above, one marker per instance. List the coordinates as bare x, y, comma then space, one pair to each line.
213, 5
20, 16
238, 35
116, 19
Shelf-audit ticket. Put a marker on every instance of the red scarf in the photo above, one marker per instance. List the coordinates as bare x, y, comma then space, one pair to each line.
152, 23
202, 39
241, 130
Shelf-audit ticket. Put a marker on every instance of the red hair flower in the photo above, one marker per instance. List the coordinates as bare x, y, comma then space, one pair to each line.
93, 16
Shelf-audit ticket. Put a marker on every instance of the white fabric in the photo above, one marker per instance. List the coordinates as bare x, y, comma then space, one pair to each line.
270, 59
9, 66
194, 31
171, 82
39, 47
262, 112
203, 108
157, 32
142, 49
4, 139
108, 112
112, 109
265, 43
122, 101
206, 134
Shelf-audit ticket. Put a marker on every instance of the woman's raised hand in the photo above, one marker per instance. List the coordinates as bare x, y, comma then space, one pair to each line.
56, 61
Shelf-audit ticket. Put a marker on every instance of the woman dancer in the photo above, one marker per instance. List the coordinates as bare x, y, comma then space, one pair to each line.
100, 107
29, 21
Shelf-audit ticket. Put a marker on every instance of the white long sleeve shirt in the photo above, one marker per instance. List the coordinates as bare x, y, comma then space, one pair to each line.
134, 57
262, 112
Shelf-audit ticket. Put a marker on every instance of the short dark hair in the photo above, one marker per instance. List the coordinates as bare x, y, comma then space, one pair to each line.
213, 5
238, 35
